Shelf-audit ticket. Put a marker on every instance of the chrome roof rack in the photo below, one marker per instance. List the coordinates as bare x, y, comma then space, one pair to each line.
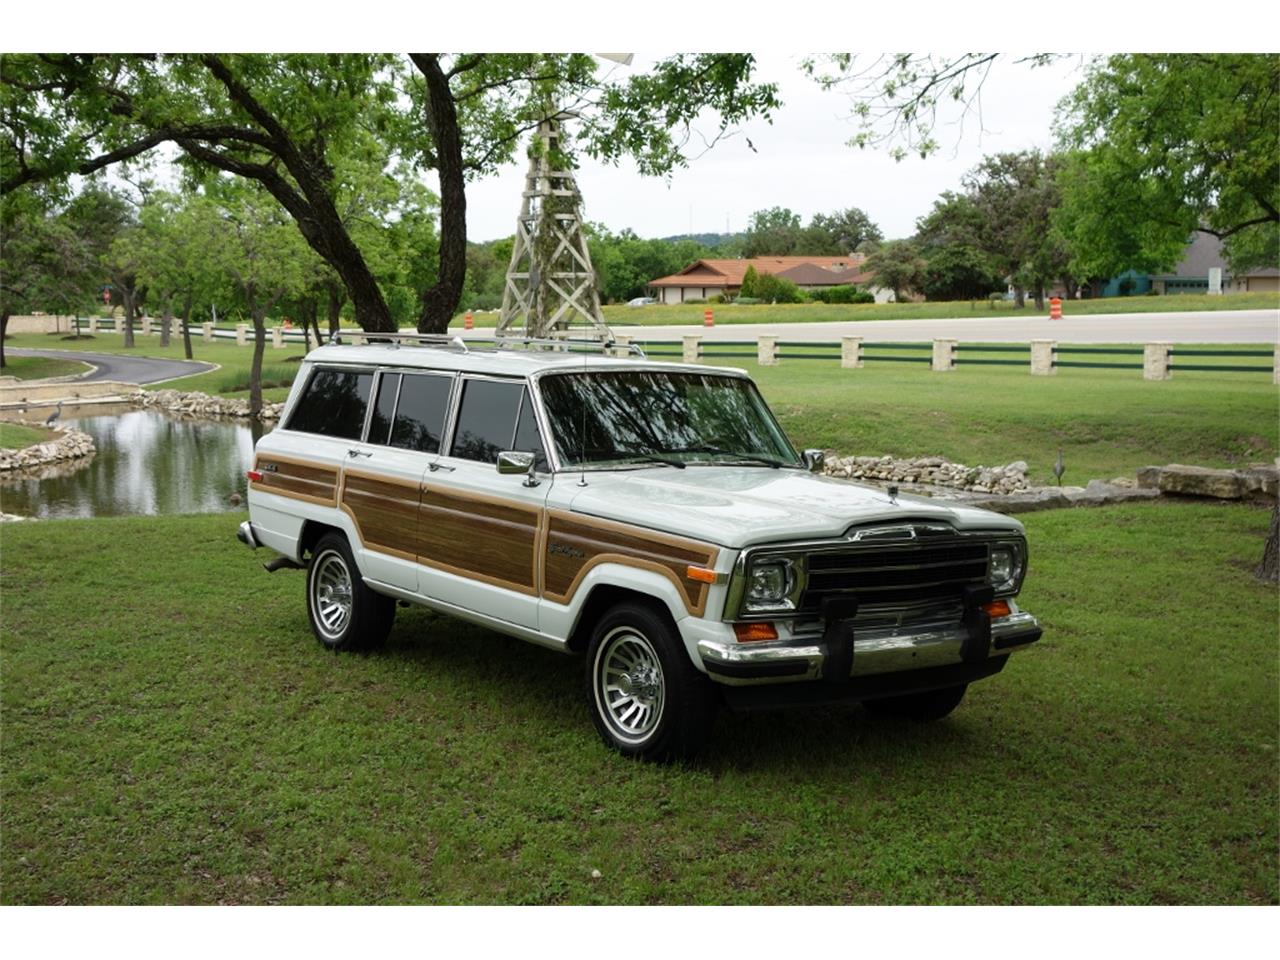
564, 344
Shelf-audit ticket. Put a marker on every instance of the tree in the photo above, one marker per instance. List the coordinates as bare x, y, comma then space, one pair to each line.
839, 233
897, 265
296, 123
1173, 144
956, 266
774, 232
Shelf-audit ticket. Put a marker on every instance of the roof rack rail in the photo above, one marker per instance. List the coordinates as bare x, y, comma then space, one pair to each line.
567, 344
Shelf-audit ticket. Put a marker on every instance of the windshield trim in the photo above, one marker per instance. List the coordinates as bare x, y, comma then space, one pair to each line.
727, 373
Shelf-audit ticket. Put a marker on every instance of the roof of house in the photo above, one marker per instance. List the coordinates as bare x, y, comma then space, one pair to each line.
729, 273
812, 275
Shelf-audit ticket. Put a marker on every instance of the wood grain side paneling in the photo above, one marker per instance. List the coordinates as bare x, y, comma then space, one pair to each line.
385, 511
486, 538
575, 544
298, 479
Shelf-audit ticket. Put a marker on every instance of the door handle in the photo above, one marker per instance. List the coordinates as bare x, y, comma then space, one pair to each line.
353, 453
433, 467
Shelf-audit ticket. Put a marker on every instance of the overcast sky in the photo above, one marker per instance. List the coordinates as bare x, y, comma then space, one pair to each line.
801, 161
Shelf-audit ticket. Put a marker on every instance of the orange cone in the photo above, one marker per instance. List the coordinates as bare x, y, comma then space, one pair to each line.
468, 323
708, 319
1055, 308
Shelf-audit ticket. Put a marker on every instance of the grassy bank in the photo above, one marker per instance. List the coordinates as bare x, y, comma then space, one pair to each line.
621, 315
15, 436
37, 368
190, 742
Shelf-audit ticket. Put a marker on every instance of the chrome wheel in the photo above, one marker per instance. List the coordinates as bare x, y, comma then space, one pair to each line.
629, 688
331, 594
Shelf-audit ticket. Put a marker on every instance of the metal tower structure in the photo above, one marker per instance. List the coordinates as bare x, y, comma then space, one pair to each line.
551, 285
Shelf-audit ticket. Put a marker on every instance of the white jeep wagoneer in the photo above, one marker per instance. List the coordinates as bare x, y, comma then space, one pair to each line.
652, 516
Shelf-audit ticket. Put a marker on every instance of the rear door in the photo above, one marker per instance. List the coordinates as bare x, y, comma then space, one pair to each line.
382, 476
480, 531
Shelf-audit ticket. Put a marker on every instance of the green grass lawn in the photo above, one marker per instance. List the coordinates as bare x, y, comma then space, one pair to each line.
15, 436
621, 315
182, 738
37, 368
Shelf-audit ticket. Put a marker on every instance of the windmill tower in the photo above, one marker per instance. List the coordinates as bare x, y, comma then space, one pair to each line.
551, 285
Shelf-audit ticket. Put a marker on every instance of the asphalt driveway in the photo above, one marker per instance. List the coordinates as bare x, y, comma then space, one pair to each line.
109, 366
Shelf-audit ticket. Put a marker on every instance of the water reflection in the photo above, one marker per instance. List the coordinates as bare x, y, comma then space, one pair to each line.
148, 462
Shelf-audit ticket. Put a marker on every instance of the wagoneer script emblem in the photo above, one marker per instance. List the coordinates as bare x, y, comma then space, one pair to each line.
565, 551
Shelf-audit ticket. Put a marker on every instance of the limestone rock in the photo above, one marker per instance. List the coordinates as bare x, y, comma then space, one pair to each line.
1200, 482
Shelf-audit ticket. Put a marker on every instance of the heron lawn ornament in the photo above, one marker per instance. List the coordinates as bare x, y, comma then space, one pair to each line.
53, 417
551, 284
1059, 467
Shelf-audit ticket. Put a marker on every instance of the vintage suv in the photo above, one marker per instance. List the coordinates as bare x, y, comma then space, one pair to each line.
651, 515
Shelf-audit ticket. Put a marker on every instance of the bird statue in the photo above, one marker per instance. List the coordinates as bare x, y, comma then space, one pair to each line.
1059, 467
53, 417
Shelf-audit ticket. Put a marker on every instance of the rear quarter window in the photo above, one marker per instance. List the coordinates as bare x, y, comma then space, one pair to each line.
333, 404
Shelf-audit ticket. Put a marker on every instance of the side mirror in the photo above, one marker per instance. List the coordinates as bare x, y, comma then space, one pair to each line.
514, 462
815, 460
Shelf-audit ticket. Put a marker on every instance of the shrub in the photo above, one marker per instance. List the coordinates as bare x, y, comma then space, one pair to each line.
863, 296
695, 300
718, 298
275, 376
748, 301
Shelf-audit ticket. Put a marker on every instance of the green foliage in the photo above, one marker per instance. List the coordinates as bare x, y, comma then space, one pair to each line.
950, 239
750, 285
1172, 143
863, 296
897, 266
777, 232
774, 232
841, 294
766, 288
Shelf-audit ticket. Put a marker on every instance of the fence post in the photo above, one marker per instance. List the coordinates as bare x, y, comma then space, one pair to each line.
206, 329
1275, 366
93, 325
692, 349
146, 326
358, 340
176, 329
1043, 354
851, 352
1155, 361
277, 338
622, 346
944, 355
119, 324
242, 331
767, 351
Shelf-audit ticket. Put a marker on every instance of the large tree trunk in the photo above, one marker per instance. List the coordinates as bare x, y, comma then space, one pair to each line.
130, 305
440, 302
166, 321
1019, 297
4, 332
255, 369
186, 326
1040, 298
1269, 568
336, 299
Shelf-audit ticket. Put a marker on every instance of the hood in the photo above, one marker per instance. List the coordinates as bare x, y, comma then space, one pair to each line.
741, 506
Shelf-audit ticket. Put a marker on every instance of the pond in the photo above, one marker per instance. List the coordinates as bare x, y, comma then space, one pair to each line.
147, 462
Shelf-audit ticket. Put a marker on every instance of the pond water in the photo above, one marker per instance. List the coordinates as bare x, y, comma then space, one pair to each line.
147, 462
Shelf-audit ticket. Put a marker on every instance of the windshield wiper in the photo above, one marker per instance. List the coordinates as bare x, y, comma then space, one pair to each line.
648, 458
735, 457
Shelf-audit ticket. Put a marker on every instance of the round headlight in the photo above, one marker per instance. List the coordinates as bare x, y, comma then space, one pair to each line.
1005, 569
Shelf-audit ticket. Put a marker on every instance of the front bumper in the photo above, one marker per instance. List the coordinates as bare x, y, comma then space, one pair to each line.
874, 652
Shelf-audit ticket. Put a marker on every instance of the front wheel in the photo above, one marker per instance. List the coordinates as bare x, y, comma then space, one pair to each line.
646, 698
345, 614
923, 707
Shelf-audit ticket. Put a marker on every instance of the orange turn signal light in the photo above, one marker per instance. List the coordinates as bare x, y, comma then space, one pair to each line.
254, 475
755, 632
996, 608
701, 574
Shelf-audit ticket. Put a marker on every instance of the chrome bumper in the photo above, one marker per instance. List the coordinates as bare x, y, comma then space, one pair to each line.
875, 651
245, 535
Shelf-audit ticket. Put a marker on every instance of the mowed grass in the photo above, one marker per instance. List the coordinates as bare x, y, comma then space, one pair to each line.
622, 315
183, 739
38, 368
1107, 422
15, 436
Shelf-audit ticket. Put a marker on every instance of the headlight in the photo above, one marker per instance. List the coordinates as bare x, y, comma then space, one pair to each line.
1004, 572
769, 584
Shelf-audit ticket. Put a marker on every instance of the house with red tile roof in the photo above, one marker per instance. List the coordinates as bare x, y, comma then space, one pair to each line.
704, 279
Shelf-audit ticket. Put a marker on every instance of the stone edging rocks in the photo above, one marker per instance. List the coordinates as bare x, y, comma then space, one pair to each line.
70, 444
197, 404
932, 471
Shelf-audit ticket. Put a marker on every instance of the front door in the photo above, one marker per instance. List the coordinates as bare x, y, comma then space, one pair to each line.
479, 531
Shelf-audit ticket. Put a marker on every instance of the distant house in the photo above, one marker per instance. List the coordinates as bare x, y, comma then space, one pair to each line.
704, 279
1191, 275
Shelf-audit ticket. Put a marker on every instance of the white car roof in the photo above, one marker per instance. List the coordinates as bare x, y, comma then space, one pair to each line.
511, 362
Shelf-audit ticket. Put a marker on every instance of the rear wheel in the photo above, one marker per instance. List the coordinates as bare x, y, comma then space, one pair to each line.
345, 614
646, 698
923, 707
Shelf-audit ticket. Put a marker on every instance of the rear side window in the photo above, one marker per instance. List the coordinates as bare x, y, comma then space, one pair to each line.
333, 404
419, 419
488, 421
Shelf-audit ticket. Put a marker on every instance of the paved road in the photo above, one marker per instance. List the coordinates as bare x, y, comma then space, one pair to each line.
109, 366
1226, 326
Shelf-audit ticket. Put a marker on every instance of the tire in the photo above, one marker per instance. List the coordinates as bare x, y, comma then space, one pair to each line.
920, 707
646, 698
344, 613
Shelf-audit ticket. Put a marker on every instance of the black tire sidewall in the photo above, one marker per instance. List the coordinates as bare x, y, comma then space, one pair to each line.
371, 613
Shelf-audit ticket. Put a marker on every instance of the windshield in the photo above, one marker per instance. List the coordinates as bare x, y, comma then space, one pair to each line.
677, 418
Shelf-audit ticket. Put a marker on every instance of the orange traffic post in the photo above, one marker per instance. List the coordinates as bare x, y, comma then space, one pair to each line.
708, 319
1055, 308
468, 323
